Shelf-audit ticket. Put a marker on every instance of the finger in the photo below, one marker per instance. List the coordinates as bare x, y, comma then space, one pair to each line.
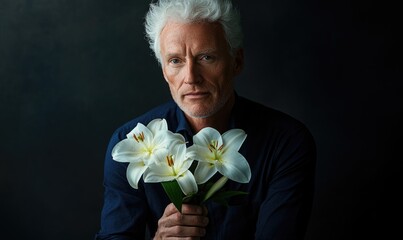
205, 211
185, 231
183, 226
192, 215
170, 209
189, 220
192, 209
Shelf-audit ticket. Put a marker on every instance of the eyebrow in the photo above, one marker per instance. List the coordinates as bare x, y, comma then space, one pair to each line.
204, 51
208, 51
170, 55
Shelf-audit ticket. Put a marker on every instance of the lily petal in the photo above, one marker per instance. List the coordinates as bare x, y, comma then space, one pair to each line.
237, 169
199, 153
141, 129
157, 125
170, 164
187, 183
162, 175
233, 139
168, 139
134, 172
159, 167
204, 171
206, 135
179, 152
124, 151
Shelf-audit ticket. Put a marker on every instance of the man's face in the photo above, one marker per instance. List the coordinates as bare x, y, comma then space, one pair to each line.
198, 67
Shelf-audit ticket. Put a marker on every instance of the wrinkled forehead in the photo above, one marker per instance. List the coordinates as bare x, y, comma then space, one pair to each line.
204, 33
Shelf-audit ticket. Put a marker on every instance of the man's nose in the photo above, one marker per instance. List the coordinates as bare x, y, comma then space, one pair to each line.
192, 73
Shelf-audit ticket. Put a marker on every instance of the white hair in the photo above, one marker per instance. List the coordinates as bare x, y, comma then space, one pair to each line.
221, 11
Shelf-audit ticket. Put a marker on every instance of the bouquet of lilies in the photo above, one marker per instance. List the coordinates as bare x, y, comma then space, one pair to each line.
159, 155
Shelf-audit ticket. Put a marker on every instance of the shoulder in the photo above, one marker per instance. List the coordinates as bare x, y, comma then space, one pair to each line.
260, 116
285, 137
272, 127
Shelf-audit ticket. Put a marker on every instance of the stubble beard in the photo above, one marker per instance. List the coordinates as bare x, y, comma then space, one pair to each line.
205, 113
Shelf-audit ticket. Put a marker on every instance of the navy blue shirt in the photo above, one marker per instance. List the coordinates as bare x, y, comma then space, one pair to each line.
281, 153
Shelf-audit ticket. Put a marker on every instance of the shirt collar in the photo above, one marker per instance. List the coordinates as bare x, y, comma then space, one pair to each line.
183, 126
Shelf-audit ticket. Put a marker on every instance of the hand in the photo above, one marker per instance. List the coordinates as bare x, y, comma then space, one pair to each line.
190, 224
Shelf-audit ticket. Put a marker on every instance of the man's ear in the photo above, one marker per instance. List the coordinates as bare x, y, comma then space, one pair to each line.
239, 61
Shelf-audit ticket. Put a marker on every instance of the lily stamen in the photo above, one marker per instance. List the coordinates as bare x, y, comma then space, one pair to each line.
139, 138
170, 161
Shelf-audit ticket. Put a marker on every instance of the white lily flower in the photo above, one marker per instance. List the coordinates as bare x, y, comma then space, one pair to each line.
173, 165
142, 146
219, 153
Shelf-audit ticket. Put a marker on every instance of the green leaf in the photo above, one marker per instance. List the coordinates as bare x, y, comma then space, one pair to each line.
228, 194
222, 197
174, 193
221, 201
215, 187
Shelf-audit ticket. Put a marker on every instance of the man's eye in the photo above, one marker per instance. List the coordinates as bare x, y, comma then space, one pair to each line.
174, 61
206, 57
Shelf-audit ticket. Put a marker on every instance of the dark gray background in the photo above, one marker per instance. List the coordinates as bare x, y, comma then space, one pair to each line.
71, 71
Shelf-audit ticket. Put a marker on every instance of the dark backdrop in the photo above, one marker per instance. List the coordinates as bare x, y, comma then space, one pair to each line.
72, 71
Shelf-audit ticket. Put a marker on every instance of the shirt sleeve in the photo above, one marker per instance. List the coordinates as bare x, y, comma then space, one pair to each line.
125, 208
286, 209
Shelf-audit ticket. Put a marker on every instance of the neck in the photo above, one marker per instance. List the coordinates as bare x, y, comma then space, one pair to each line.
218, 120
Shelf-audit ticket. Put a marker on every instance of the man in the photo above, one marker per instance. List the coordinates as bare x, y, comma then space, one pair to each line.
199, 46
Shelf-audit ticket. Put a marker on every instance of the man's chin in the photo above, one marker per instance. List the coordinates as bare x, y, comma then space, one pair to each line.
197, 112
